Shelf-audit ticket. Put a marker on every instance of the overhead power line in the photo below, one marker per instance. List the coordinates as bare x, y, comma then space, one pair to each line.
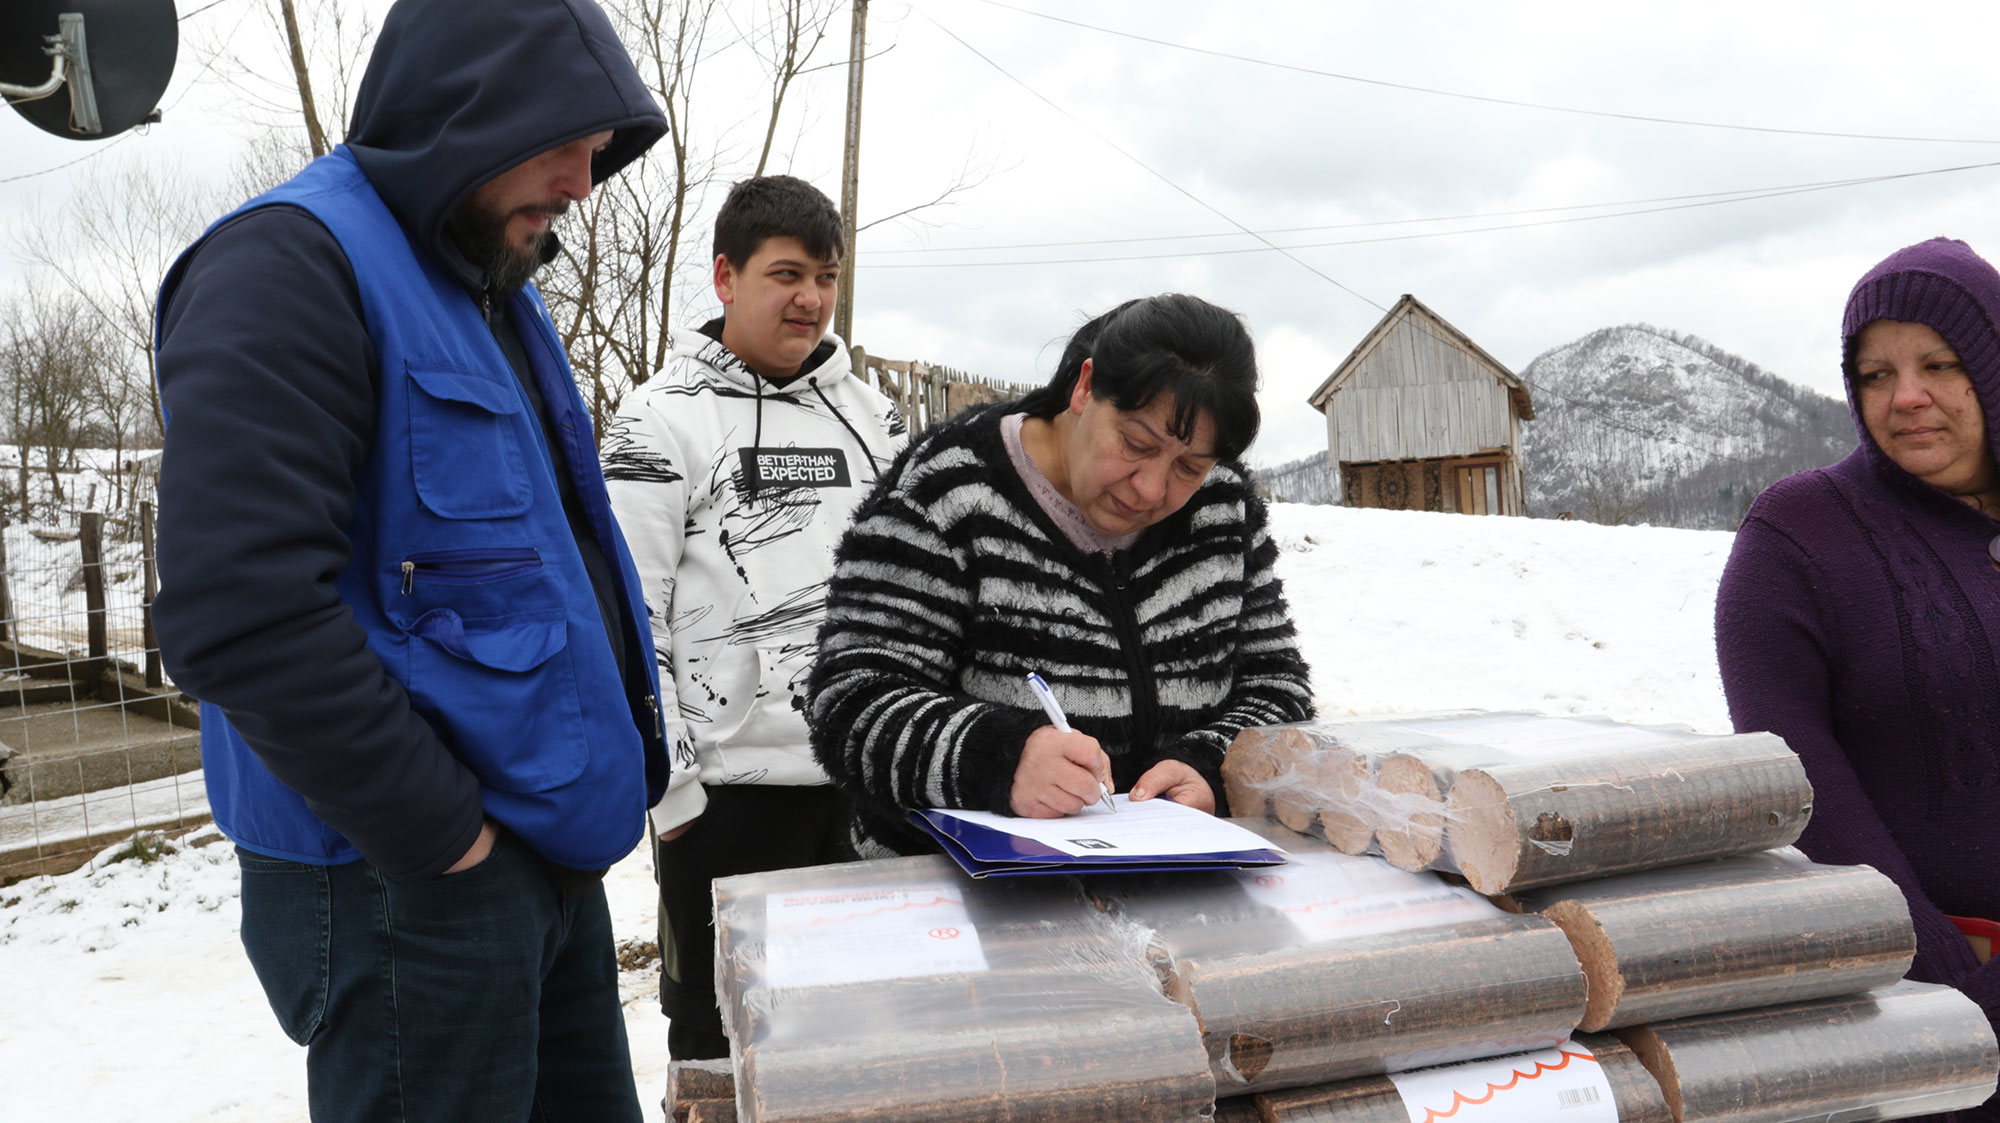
1155, 172
200, 10
1515, 102
1724, 196
1269, 246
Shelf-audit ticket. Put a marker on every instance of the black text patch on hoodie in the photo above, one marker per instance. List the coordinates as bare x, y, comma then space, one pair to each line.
794, 467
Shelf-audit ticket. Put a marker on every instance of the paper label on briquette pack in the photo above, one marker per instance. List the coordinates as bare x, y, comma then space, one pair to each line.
1560, 1085
1331, 896
816, 938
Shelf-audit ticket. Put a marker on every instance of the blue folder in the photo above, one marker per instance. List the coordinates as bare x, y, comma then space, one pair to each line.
984, 852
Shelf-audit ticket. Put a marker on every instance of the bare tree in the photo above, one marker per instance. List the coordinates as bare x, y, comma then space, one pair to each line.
785, 37
304, 90
1611, 499
119, 409
50, 344
112, 243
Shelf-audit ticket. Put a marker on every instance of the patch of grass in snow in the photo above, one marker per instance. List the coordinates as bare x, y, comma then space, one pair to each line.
145, 848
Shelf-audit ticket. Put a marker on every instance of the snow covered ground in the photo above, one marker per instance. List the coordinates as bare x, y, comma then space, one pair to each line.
124, 993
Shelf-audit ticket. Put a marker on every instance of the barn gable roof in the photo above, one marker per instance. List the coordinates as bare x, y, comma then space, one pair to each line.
1407, 308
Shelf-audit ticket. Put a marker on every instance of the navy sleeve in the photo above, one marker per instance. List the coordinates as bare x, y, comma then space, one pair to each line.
268, 380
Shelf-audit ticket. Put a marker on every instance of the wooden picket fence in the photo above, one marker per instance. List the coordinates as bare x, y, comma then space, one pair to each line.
926, 392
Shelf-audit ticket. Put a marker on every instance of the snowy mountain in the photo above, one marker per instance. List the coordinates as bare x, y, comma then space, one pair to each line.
1642, 424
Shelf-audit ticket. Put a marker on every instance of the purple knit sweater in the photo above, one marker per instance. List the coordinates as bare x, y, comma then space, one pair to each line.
1859, 619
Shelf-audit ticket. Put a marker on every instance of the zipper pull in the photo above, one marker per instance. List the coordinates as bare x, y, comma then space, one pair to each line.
409, 576
659, 726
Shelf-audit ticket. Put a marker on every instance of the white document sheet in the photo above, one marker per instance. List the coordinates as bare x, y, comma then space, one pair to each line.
1155, 827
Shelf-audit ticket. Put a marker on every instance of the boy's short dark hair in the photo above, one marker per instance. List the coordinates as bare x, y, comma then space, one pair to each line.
771, 206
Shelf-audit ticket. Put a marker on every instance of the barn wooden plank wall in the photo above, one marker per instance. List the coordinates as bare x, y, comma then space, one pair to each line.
1419, 421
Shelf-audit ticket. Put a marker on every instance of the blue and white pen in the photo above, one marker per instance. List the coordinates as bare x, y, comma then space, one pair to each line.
1054, 709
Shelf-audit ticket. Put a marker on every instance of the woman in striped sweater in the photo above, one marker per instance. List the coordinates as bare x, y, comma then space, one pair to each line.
1100, 532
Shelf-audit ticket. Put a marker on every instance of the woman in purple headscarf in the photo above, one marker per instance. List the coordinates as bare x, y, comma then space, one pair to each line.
1859, 615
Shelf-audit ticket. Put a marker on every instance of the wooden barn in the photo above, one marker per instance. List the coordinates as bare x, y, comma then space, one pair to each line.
1421, 418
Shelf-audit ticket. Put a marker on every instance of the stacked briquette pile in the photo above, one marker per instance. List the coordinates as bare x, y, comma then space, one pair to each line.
1755, 986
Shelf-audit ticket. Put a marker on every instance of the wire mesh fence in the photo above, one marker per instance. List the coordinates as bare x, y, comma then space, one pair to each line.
95, 743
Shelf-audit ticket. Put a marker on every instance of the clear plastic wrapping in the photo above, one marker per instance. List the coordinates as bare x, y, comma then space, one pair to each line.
899, 990
1518, 799
1729, 934
1590, 1078
1911, 1049
1335, 966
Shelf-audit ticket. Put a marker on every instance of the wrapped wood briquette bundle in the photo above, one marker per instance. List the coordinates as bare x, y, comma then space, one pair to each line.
1139, 1060
855, 922
1412, 761
1730, 934
1592, 1078
899, 990
1381, 1003
1383, 780
693, 1082
1338, 965
1912, 1049
1568, 817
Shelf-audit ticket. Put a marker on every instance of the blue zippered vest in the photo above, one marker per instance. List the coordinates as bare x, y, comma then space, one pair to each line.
465, 573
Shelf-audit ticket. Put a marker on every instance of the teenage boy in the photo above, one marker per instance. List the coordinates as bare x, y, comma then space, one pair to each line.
734, 472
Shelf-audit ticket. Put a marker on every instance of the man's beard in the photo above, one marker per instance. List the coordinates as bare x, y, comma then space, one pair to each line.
481, 235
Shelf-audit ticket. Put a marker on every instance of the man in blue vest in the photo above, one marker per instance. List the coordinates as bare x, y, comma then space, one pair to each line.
391, 574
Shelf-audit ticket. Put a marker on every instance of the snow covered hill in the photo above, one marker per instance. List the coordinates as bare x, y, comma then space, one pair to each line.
1638, 423
125, 989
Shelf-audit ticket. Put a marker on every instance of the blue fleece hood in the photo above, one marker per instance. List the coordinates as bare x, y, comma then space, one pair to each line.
459, 91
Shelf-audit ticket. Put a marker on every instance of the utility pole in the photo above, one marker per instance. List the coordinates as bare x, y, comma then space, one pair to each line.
850, 173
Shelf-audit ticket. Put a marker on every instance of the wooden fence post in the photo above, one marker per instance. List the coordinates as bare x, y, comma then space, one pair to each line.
90, 536
155, 676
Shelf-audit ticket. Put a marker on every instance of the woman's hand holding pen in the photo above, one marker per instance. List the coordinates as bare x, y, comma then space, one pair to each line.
1059, 774
1176, 781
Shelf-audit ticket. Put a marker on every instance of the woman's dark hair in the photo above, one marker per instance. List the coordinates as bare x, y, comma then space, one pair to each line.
1171, 344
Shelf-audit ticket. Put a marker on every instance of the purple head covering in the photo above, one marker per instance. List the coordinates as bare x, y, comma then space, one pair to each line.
1952, 290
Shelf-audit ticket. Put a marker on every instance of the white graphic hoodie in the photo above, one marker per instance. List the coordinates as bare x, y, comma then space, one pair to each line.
732, 491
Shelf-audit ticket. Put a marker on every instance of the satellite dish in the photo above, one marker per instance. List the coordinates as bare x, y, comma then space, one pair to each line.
87, 69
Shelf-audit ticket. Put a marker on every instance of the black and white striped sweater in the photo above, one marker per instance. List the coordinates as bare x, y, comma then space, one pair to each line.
952, 584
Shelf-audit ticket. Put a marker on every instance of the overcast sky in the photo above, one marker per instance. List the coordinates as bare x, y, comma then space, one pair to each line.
1233, 142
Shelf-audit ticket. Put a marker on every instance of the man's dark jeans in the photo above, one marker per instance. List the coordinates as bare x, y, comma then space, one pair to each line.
482, 995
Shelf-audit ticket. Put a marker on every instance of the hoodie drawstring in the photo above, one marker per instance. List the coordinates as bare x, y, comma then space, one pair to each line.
757, 433
874, 465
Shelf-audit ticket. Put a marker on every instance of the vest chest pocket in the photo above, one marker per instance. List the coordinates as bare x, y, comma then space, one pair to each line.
488, 665
465, 451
